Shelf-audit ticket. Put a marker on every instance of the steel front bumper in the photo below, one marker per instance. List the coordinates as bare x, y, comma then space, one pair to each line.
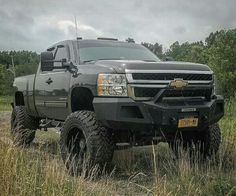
125, 113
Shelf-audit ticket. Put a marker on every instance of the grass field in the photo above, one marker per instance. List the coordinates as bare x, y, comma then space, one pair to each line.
38, 170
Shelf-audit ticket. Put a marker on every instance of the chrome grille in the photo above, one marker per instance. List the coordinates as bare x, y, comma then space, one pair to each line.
170, 76
146, 84
145, 92
188, 93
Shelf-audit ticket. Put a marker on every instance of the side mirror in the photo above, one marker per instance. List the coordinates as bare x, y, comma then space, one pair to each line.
169, 58
46, 59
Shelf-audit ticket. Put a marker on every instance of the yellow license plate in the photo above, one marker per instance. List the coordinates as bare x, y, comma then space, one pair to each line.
188, 122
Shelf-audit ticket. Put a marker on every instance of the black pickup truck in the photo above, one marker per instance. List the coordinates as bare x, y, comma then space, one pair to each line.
105, 93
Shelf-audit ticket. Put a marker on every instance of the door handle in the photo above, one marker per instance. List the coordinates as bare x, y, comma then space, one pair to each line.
49, 81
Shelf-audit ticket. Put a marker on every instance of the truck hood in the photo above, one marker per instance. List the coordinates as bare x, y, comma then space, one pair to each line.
121, 65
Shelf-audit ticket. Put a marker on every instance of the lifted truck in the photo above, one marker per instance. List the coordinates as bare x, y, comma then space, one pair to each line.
102, 93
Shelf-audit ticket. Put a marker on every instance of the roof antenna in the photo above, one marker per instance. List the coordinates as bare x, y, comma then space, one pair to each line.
76, 28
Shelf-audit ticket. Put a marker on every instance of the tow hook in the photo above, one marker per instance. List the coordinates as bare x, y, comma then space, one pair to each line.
173, 121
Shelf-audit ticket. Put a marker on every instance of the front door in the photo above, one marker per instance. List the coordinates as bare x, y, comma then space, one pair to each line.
55, 86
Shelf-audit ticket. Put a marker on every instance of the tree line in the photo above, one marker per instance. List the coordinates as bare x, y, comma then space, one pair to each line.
218, 51
25, 62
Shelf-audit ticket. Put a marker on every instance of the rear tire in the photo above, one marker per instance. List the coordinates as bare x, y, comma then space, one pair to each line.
85, 143
211, 140
206, 142
23, 126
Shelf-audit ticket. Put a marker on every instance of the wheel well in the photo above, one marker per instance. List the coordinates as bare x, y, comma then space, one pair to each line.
81, 99
19, 99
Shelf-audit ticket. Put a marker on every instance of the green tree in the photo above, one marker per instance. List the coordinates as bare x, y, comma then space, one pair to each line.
222, 59
130, 40
156, 48
26, 62
6, 81
194, 52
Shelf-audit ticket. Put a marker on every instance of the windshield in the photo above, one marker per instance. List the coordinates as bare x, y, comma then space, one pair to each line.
116, 52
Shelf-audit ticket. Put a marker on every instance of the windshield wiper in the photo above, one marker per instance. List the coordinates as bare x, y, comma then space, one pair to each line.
121, 58
88, 61
149, 60
92, 60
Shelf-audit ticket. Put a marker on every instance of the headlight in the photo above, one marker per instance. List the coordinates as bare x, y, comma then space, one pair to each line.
112, 85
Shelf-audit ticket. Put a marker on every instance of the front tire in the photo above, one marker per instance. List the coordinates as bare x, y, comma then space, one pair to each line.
85, 143
23, 126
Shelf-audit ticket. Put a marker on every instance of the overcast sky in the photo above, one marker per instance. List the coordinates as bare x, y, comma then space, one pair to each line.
35, 25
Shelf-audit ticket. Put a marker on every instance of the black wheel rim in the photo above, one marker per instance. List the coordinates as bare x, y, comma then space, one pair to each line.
76, 148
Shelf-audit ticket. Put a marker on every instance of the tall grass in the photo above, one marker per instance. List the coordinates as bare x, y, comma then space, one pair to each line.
162, 174
25, 172
138, 171
5, 103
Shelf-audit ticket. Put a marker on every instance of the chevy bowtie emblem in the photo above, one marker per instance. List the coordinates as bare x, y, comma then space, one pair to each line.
178, 83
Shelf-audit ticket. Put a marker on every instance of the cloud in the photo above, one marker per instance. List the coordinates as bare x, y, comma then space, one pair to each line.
69, 26
35, 25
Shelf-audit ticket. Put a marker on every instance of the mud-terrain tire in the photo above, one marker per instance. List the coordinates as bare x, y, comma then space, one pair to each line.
85, 143
211, 140
23, 126
206, 142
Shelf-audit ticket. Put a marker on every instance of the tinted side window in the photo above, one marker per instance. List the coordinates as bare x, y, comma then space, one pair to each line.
60, 54
52, 49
